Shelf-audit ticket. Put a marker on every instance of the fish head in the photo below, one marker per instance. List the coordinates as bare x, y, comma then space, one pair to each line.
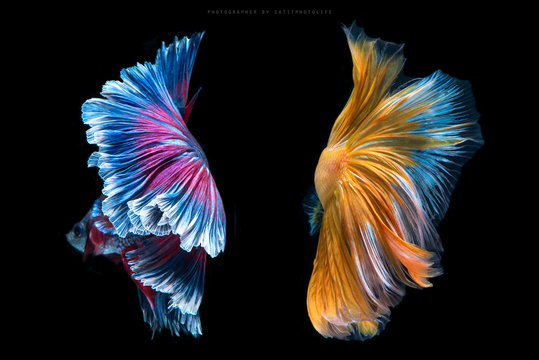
78, 236
328, 172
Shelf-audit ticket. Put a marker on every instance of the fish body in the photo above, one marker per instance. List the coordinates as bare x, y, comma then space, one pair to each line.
94, 235
382, 185
160, 214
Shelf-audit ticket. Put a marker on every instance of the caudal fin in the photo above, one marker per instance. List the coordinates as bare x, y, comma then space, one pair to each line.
159, 316
170, 280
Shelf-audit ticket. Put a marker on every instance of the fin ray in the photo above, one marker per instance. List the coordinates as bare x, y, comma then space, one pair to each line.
156, 176
161, 264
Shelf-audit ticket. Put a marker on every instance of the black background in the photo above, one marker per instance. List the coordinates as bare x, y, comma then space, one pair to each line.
272, 86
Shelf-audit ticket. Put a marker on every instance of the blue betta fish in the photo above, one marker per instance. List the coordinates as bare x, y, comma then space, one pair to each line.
160, 213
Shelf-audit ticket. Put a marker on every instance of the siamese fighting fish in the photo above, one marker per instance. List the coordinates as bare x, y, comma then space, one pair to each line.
382, 184
160, 213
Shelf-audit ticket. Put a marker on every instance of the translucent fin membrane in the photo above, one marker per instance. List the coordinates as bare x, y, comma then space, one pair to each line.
163, 317
385, 180
314, 210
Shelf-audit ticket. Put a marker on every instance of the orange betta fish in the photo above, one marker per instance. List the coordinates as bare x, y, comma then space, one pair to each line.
383, 183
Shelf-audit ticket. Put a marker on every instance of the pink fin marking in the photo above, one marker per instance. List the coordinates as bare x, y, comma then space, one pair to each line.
189, 107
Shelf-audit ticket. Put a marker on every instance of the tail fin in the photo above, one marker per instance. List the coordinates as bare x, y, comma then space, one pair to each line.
160, 316
170, 280
161, 264
385, 180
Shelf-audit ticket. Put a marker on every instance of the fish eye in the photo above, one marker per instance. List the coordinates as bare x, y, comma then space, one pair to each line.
77, 231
